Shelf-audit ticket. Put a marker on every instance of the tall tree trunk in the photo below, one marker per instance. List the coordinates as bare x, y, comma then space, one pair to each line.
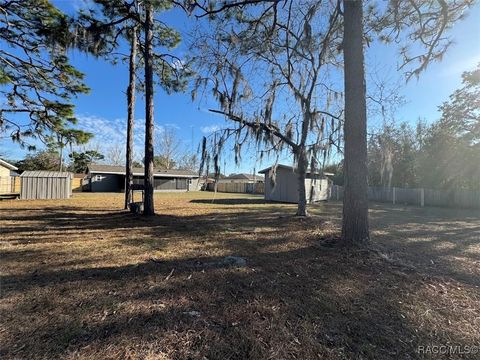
60, 154
302, 162
131, 117
355, 201
301, 174
148, 177
61, 157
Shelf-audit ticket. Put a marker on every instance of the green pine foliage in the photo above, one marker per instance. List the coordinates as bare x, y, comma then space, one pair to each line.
36, 78
81, 160
101, 30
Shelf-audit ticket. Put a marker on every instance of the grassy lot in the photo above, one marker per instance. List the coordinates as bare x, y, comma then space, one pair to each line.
82, 279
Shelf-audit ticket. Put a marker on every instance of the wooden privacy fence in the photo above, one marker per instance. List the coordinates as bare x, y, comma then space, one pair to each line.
455, 198
77, 184
247, 188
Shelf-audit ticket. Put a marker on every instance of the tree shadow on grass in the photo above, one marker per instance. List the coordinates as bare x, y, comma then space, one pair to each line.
233, 201
433, 249
41, 222
294, 299
303, 303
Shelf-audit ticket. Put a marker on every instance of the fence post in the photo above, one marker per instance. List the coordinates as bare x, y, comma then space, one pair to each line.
337, 190
393, 195
422, 197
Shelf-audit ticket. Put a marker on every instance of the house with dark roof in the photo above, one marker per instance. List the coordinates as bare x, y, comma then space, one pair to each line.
241, 178
109, 178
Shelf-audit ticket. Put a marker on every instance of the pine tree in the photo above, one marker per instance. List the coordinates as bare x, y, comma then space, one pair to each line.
149, 208
132, 63
355, 200
423, 23
81, 160
36, 78
101, 30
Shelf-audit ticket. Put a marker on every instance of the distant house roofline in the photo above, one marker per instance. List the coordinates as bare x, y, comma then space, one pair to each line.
121, 170
242, 176
8, 165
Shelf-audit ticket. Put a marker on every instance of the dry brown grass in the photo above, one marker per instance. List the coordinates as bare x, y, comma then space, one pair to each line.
82, 279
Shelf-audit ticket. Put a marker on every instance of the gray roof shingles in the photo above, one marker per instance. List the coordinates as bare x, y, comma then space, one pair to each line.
121, 170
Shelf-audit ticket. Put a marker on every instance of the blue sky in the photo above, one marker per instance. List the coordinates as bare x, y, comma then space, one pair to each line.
103, 111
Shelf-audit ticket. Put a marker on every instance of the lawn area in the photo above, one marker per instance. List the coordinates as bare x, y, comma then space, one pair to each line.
82, 279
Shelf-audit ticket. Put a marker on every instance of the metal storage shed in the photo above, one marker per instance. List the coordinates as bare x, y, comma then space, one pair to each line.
284, 186
46, 185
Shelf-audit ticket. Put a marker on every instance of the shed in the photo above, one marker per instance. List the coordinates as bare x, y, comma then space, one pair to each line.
281, 184
46, 185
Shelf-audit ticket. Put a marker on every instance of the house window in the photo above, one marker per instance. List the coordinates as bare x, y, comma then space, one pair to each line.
164, 183
181, 184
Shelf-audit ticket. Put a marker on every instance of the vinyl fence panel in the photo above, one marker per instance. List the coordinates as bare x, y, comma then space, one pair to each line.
454, 198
